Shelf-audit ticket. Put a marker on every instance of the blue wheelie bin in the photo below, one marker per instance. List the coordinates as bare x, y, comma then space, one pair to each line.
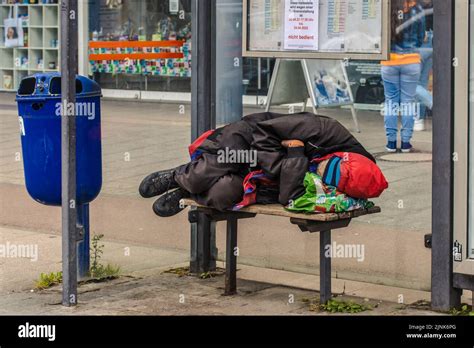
39, 110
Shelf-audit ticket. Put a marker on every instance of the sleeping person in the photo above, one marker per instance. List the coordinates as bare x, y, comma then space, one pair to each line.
273, 152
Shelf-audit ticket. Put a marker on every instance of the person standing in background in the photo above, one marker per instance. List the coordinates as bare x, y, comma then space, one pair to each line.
401, 73
426, 54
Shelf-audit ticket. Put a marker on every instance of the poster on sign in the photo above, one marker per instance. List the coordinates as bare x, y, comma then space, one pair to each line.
312, 29
329, 82
301, 25
265, 21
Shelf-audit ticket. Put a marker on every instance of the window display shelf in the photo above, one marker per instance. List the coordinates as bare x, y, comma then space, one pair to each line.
40, 53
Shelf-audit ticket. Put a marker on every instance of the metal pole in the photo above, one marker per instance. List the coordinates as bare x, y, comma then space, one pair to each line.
69, 48
443, 295
324, 267
271, 88
202, 84
259, 74
231, 257
203, 249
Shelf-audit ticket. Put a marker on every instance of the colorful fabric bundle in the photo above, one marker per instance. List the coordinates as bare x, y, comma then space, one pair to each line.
254, 181
193, 149
321, 198
349, 180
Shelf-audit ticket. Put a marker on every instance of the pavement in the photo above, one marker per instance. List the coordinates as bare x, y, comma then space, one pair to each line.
150, 283
139, 138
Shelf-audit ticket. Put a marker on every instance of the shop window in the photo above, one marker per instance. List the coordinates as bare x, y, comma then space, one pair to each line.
147, 21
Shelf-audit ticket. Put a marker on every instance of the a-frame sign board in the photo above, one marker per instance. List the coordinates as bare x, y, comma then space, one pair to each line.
324, 82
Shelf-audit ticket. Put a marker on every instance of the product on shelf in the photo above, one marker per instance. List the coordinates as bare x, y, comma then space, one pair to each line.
23, 62
169, 67
7, 81
24, 19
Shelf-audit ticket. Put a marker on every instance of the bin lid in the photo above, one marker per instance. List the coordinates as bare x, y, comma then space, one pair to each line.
48, 85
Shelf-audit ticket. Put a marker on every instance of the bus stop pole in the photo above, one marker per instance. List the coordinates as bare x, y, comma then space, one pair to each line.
203, 249
443, 295
69, 59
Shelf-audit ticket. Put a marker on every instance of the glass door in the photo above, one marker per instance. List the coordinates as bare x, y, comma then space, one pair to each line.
463, 157
471, 132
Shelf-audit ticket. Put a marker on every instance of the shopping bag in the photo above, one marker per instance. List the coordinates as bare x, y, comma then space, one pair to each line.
13, 29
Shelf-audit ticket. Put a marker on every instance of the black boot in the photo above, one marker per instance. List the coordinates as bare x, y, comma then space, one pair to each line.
158, 183
169, 204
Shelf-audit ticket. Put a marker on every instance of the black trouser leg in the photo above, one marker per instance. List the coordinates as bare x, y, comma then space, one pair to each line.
199, 176
224, 194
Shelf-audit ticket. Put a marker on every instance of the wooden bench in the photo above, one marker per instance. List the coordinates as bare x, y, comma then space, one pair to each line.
322, 223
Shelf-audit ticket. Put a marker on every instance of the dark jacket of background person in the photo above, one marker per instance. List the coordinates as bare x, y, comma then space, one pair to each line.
412, 37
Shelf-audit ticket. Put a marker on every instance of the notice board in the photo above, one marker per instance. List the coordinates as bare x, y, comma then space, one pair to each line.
312, 29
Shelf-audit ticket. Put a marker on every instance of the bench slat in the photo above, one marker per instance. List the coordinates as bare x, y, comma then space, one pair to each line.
278, 210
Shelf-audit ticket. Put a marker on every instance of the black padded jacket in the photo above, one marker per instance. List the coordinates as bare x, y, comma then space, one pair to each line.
264, 133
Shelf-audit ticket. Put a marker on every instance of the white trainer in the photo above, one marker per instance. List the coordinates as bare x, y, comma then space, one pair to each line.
419, 125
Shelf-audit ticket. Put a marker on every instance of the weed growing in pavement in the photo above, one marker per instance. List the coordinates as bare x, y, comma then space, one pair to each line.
97, 271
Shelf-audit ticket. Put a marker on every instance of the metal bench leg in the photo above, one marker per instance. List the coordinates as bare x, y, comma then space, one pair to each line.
202, 257
231, 258
324, 267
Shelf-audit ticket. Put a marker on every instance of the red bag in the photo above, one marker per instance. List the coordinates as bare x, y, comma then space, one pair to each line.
360, 177
198, 142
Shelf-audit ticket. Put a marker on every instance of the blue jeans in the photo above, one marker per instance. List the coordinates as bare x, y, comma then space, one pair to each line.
424, 96
400, 82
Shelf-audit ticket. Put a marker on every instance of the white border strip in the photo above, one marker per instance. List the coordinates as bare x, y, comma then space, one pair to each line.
121, 93
182, 97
